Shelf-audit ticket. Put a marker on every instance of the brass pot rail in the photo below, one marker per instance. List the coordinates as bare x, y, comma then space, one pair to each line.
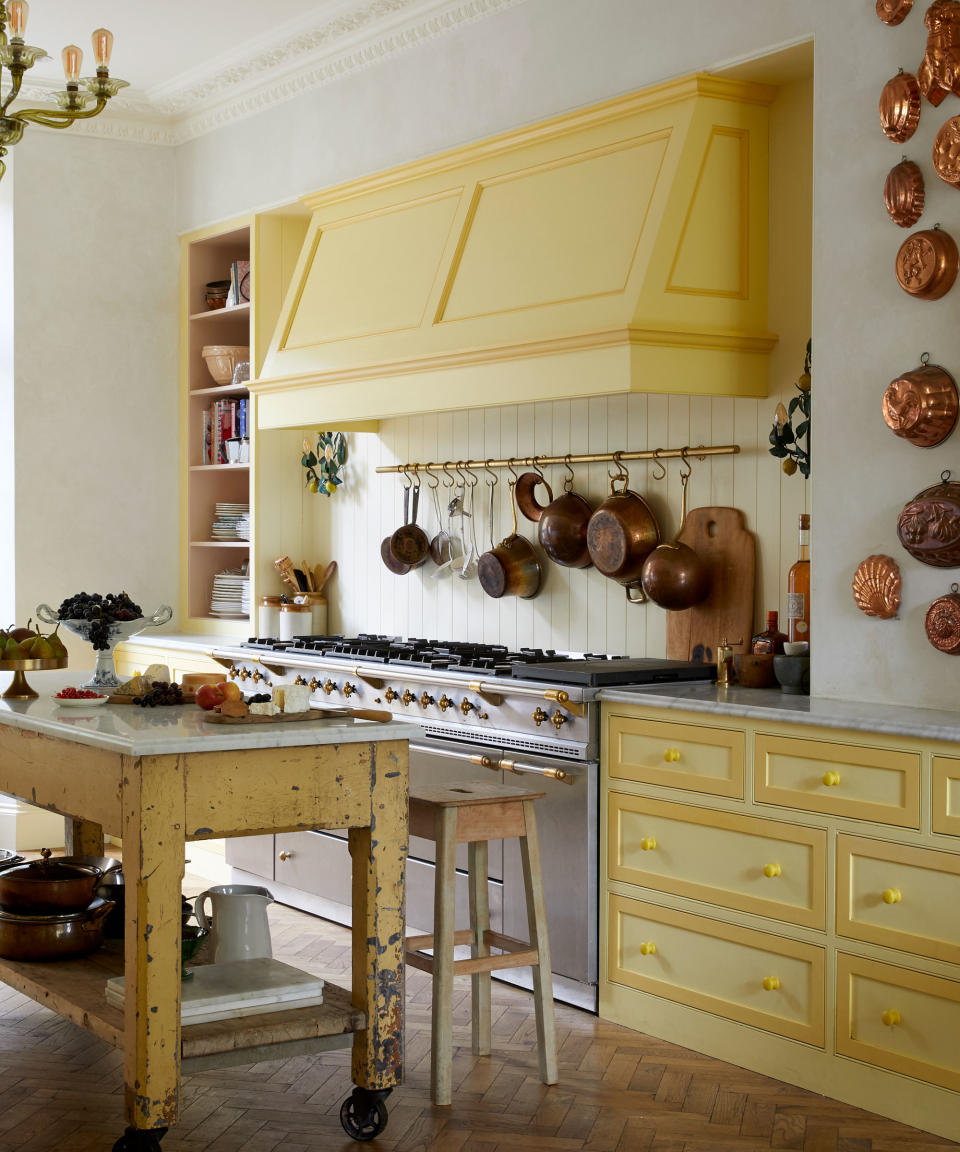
699, 452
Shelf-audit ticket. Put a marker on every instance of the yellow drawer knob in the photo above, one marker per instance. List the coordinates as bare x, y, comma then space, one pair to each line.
771, 870
831, 779
648, 843
647, 948
771, 983
892, 895
891, 1018
672, 755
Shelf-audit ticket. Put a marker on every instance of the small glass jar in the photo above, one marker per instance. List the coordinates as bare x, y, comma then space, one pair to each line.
295, 620
268, 617
317, 603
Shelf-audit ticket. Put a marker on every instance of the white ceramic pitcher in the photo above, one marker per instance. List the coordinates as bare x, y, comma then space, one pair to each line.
238, 924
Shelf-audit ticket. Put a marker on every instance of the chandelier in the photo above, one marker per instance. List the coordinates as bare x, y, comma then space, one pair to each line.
16, 57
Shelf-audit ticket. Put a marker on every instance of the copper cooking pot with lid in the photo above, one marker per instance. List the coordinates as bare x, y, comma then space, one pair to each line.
929, 525
921, 406
561, 522
621, 534
49, 885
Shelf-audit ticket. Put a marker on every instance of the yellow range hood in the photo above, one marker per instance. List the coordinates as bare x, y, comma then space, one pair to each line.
619, 248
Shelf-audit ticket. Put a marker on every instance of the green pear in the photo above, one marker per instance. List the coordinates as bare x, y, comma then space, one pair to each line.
14, 651
58, 646
41, 649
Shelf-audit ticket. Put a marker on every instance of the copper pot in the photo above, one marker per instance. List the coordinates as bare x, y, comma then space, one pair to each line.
410, 545
942, 623
620, 535
929, 526
562, 523
55, 935
48, 886
512, 567
673, 575
927, 264
921, 406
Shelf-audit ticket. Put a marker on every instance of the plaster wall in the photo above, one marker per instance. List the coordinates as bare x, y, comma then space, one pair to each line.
7, 461
95, 367
546, 56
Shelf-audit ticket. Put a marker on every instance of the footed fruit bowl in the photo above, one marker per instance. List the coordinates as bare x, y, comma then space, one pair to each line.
105, 674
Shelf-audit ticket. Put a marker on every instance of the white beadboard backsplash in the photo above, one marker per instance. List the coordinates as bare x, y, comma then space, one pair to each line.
576, 610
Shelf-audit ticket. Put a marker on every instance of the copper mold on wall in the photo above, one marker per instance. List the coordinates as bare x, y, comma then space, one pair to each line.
939, 72
900, 107
903, 193
894, 12
946, 152
942, 623
921, 406
927, 264
929, 525
876, 587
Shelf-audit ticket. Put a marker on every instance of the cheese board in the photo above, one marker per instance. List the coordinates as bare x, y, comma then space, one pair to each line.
294, 717
119, 698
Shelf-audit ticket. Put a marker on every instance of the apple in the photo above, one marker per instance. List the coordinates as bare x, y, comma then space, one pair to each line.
209, 696
230, 690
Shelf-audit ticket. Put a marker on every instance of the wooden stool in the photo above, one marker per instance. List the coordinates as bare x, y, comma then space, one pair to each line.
473, 814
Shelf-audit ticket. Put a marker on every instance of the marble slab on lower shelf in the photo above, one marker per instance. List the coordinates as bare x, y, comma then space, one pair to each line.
76, 990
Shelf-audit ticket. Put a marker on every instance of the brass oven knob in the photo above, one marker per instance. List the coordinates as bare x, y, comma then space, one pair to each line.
466, 707
425, 700
390, 695
284, 855
329, 686
314, 684
348, 689
245, 673
299, 679
233, 673
558, 720
407, 697
257, 676
539, 716
444, 702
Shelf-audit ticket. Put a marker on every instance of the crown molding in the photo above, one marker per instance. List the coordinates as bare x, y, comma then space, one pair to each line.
362, 37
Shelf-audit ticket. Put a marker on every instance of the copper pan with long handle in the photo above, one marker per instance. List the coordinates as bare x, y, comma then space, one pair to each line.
561, 522
673, 575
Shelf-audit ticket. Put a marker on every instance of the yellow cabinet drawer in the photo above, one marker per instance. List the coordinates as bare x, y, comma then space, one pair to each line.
676, 755
946, 795
899, 896
767, 867
880, 784
898, 1019
752, 977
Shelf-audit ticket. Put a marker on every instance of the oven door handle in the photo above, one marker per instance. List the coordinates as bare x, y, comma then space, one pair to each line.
495, 764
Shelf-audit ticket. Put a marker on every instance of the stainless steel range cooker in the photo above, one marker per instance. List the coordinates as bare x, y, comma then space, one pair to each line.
480, 710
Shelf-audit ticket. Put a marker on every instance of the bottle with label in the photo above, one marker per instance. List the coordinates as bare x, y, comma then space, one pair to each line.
770, 641
798, 587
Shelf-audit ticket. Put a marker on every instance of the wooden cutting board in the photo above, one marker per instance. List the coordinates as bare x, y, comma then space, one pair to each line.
721, 538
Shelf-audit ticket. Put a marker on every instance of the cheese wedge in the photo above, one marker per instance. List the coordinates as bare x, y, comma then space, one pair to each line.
296, 697
264, 708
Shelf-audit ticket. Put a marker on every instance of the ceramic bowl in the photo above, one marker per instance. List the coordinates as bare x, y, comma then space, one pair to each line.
796, 647
793, 674
222, 359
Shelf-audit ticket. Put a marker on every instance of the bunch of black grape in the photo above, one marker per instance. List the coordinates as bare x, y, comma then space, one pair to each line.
260, 698
160, 693
100, 612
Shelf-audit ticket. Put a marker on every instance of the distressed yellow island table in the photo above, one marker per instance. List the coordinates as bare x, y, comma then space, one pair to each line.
161, 777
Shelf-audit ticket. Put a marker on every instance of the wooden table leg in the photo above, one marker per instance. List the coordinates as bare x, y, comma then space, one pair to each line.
82, 838
379, 855
153, 851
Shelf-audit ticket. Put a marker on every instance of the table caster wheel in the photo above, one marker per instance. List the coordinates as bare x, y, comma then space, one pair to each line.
363, 1114
140, 1140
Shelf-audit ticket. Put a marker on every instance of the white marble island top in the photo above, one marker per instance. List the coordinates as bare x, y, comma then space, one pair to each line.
775, 706
160, 731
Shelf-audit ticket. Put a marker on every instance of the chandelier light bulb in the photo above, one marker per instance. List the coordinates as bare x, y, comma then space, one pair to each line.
18, 11
102, 47
72, 59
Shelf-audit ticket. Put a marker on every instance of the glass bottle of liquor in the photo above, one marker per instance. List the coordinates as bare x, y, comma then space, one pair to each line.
798, 587
770, 641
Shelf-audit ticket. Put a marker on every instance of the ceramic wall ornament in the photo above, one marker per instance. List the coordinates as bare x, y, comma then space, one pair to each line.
942, 623
876, 587
789, 444
939, 73
893, 12
927, 264
929, 525
903, 193
325, 463
900, 107
921, 405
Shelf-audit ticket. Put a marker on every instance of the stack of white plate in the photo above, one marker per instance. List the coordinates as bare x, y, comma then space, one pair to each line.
231, 522
231, 595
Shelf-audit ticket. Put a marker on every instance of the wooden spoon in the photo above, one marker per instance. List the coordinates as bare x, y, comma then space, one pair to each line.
328, 573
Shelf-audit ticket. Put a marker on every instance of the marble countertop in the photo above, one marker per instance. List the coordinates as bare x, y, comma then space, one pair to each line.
774, 706
160, 731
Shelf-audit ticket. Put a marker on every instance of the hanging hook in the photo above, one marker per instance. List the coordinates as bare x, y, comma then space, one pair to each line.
406, 475
449, 482
571, 476
494, 478
621, 472
685, 476
537, 468
474, 478
658, 463
432, 475
510, 468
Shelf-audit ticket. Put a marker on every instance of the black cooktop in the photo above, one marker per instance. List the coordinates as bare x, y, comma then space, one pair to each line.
592, 673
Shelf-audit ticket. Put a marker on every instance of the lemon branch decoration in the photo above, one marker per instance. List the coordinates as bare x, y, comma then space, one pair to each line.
325, 463
789, 443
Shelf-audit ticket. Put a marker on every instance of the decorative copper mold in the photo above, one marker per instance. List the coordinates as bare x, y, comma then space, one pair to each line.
922, 405
900, 107
929, 526
927, 264
893, 12
946, 152
876, 587
939, 72
903, 193
943, 621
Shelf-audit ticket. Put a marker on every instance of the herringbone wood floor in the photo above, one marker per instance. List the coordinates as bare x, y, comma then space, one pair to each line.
61, 1090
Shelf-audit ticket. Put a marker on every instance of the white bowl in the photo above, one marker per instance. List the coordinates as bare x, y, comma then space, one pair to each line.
795, 647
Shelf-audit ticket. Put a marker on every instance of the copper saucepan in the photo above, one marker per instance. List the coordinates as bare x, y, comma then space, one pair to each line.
53, 935
620, 535
673, 575
561, 523
409, 544
48, 886
512, 567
